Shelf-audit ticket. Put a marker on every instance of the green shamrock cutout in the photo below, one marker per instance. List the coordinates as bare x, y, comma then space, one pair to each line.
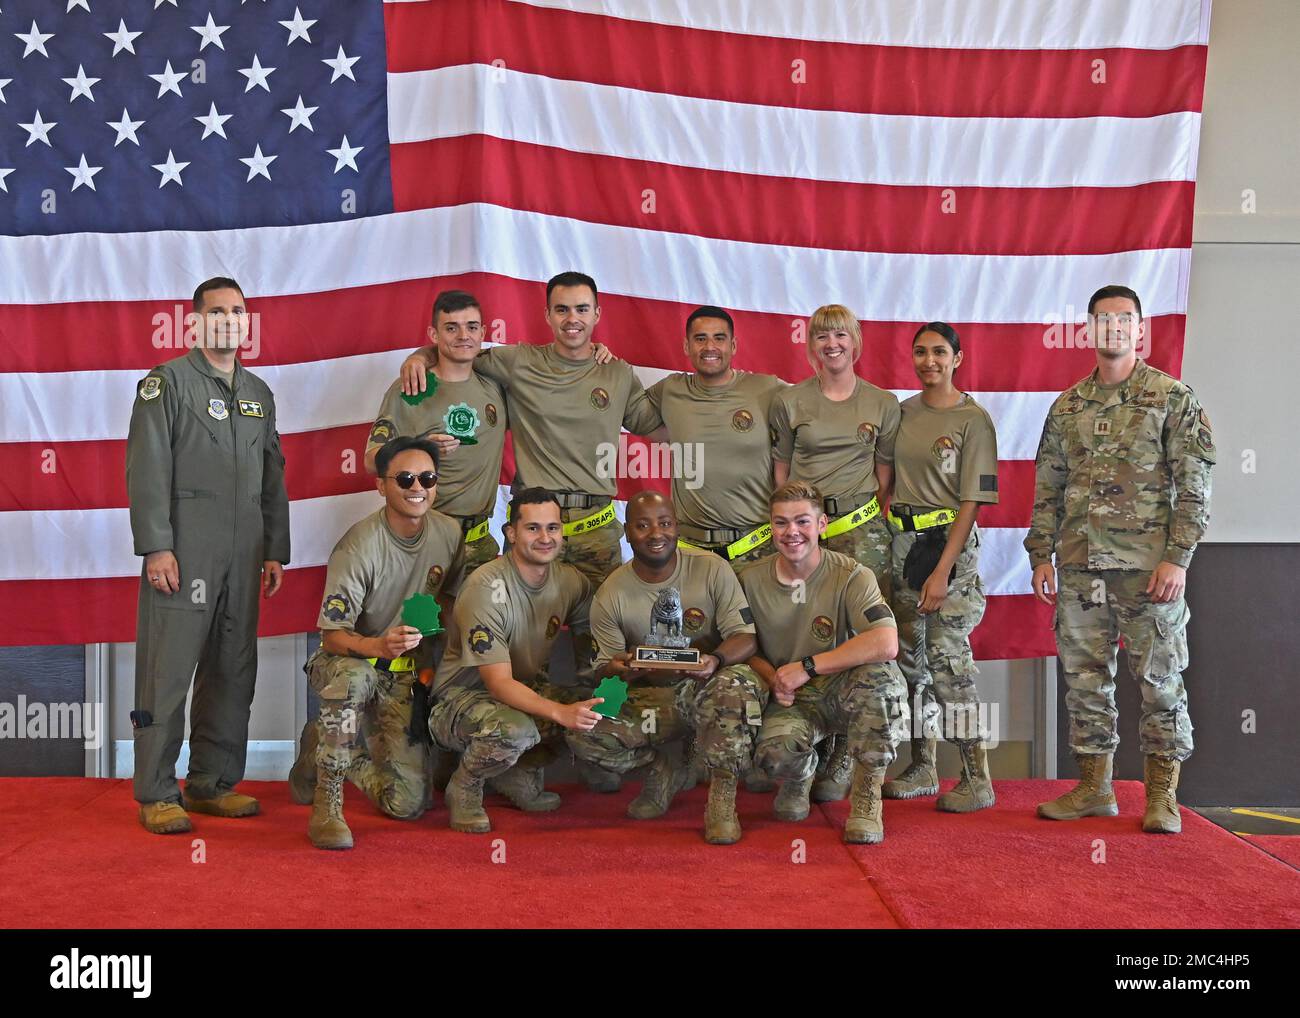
431, 387
421, 611
614, 690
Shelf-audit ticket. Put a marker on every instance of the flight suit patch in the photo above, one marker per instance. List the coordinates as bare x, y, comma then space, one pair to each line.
250, 408
218, 410
151, 387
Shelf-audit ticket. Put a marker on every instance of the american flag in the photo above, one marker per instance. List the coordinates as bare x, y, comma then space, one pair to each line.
986, 162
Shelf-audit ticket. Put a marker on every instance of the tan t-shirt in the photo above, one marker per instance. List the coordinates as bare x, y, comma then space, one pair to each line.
839, 600
562, 412
372, 571
467, 476
943, 457
713, 605
499, 618
725, 428
834, 445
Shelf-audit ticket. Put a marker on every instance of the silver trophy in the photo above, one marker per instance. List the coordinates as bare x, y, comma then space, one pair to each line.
666, 646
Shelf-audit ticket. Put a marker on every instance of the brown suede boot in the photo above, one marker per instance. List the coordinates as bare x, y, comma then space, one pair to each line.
1160, 775
1093, 796
327, 828
721, 825
464, 796
302, 775
919, 777
834, 782
523, 787
791, 803
228, 804
975, 789
164, 818
866, 823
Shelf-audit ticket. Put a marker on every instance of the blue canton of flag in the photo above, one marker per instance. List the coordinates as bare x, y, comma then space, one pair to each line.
192, 115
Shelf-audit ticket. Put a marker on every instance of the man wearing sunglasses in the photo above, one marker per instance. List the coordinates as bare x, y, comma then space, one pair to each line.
209, 514
1122, 498
466, 402
366, 668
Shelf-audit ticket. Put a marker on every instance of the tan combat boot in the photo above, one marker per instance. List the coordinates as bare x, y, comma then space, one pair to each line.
866, 823
302, 775
975, 789
1093, 796
791, 802
833, 784
1160, 775
919, 777
464, 796
523, 787
227, 804
758, 782
327, 828
164, 818
662, 782
721, 825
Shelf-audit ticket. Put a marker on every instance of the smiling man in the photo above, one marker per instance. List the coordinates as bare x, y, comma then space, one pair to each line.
369, 657
1121, 500
721, 703
209, 515
827, 640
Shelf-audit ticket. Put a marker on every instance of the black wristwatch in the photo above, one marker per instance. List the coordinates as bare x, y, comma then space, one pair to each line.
809, 667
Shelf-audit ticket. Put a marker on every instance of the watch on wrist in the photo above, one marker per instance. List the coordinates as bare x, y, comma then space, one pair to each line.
809, 667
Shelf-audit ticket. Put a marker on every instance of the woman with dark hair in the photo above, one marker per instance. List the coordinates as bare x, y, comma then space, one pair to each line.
945, 467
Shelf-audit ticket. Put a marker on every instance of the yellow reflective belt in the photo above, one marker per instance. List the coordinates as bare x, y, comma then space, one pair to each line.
596, 520
850, 521
754, 539
397, 664
476, 533
750, 541
925, 521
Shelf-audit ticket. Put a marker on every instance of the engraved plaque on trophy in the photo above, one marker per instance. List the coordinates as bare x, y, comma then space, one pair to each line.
666, 646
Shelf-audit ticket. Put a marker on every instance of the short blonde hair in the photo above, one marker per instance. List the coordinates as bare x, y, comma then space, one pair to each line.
830, 318
796, 491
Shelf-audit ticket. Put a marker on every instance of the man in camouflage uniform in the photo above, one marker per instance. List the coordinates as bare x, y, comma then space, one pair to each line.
827, 640
716, 418
721, 703
493, 704
210, 517
464, 401
364, 671
1122, 498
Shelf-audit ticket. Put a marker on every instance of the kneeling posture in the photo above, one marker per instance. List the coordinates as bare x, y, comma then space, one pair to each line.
827, 641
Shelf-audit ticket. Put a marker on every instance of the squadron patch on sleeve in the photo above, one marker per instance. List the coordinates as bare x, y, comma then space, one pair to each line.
382, 432
336, 607
151, 387
480, 639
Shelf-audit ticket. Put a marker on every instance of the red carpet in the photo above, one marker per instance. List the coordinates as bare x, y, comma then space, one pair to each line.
1003, 867
1282, 846
73, 855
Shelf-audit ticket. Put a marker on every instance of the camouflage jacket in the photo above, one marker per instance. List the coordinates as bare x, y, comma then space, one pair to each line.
1123, 475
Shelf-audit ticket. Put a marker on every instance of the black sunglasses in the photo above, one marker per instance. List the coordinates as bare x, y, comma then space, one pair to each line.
405, 479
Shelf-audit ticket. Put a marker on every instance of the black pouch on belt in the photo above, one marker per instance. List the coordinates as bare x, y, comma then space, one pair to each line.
418, 730
924, 555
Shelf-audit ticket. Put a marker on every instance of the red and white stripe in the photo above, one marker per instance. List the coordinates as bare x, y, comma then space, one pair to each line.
941, 159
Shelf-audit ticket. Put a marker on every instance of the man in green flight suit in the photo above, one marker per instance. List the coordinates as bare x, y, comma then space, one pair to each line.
209, 514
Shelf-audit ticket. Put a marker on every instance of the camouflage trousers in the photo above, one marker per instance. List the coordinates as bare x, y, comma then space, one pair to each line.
480, 552
596, 553
1093, 609
386, 763
868, 702
870, 545
489, 736
934, 650
723, 714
